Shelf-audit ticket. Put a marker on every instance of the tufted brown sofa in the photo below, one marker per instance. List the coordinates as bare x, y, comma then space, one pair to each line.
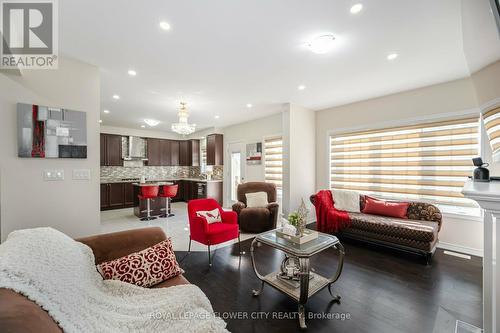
417, 234
19, 314
256, 220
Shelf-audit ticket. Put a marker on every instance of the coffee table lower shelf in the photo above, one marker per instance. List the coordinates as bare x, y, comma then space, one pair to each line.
316, 283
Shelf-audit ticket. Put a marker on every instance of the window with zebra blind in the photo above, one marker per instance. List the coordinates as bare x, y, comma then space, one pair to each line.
273, 159
427, 161
492, 125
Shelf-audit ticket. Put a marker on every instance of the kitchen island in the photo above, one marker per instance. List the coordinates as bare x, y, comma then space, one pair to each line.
121, 193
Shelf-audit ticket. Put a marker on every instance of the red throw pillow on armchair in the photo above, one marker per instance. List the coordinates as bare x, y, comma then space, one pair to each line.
385, 208
145, 268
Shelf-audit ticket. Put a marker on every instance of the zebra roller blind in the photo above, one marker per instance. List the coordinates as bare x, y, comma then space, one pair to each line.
427, 161
273, 159
492, 124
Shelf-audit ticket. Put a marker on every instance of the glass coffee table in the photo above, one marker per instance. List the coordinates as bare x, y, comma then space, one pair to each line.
295, 278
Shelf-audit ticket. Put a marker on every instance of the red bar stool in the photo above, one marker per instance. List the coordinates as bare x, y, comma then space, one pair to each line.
168, 192
148, 192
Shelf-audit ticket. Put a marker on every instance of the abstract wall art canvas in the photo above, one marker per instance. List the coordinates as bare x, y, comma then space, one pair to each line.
46, 132
254, 153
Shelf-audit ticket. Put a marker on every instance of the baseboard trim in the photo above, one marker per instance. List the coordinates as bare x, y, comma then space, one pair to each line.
460, 249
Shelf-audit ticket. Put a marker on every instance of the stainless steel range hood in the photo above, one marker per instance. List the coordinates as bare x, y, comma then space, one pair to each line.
136, 148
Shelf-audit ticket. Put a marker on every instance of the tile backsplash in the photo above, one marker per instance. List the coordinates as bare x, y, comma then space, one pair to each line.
156, 172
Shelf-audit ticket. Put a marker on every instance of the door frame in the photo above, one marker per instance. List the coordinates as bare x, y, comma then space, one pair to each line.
231, 147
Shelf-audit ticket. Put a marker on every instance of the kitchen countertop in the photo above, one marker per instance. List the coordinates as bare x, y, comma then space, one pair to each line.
109, 181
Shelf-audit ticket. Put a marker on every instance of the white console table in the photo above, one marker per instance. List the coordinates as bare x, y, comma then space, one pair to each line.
487, 195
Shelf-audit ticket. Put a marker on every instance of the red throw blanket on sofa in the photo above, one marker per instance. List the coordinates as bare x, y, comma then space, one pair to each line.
329, 219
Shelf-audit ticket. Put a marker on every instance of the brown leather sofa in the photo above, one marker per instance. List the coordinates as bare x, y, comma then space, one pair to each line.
20, 315
256, 220
418, 233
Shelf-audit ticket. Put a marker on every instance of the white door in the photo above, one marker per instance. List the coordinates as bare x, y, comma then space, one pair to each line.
236, 154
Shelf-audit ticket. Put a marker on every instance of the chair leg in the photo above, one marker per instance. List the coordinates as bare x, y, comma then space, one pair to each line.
209, 260
169, 208
148, 216
189, 248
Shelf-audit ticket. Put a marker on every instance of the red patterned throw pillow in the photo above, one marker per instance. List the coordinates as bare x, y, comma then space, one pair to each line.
212, 216
145, 268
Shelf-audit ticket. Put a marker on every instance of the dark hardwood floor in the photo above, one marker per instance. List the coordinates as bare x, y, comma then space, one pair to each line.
382, 291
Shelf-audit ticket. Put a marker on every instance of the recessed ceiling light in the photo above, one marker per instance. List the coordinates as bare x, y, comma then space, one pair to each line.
301, 87
249, 105
131, 72
322, 44
143, 126
106, 111
392, 56
356, 8
217, 117
151, 122
164, 25
100, 121
116, 96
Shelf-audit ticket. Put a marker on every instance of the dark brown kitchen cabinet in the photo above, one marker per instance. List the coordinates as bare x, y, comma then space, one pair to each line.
154, 152
186, 190
174, 153
103, 150
180, 191
104, 197
128, 190
185, 157
111, 150
165, 152
195, 152
117, 195
189, 153
215, 149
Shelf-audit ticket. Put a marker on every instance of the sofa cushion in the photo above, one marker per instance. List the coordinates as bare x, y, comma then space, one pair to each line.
254, 219
256, 199
385, 208
221, 232
425, 231
145, 268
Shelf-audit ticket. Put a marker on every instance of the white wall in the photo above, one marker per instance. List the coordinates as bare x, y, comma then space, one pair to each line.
429, 102
26, 200
249, 132
299, 156
139, 132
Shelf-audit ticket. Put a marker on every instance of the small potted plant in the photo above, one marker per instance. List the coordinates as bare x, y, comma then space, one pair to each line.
299, 219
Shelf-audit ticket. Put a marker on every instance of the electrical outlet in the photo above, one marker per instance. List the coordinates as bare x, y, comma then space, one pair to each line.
53, 175
81, 174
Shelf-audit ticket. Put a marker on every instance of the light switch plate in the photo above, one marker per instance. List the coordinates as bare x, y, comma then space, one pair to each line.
81, 174
53, 175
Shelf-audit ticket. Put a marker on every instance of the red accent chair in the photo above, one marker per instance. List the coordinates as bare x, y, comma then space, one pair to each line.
214, 233
168, 192
148, 192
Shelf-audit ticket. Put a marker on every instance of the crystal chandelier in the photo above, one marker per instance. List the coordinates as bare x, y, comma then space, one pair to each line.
183, 127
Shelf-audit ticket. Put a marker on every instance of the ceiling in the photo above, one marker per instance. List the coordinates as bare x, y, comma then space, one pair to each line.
220, 55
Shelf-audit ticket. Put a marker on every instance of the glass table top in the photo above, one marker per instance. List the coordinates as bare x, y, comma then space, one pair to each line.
306, 249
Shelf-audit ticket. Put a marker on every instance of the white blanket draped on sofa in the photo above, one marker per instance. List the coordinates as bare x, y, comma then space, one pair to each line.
58, 273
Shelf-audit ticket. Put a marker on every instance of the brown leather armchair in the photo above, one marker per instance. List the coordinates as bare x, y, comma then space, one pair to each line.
256, 220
